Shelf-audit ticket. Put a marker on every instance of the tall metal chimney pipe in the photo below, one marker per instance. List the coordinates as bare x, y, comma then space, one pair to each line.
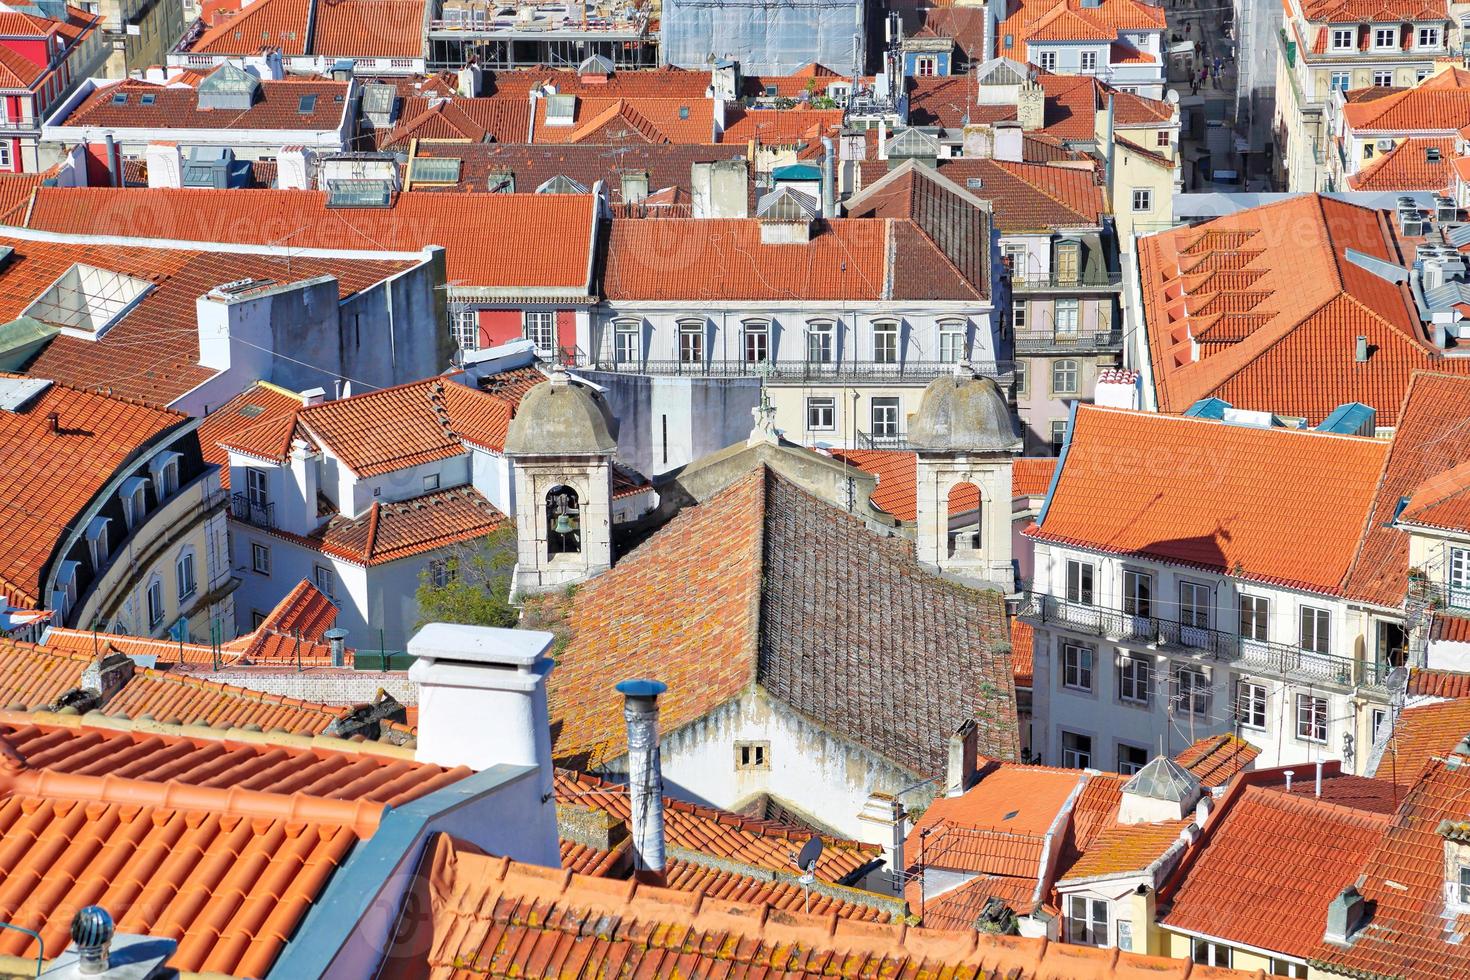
829, 180
645, 778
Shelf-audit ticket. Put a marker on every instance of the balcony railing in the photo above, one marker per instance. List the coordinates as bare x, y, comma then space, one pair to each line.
875, 440
1080, 342
1026, 282
1277, 658
805, 371
242, 508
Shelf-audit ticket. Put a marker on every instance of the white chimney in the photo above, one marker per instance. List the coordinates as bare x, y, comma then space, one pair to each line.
1117, 388
645, 778
482, 703
964, 750
1008, 140
165, 165
313, 396
298, 511
293, 168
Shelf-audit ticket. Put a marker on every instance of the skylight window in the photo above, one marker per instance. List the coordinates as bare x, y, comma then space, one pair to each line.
683, 112
86, 301
359, 194
306, 105
119, 98
147, 98
436, 170
560, 110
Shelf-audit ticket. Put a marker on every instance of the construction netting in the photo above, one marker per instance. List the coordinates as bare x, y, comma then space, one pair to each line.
767, 37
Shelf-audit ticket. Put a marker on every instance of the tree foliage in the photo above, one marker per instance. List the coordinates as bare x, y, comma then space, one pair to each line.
474, 584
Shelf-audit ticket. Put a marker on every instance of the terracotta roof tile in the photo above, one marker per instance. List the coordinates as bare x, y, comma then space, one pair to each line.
897, 471
1215, 759
387, 532
786, 127
1032, 477
1403, 881
368, 29
730, 886
280, 24
52, 476
487, 915
666, 81
262, 402
452, 118
1442, 501
631, 120
1126, 849
414, 221
1230, 497
1266, 869
1061, 20
32, 677
15, 190
176, 107
176, 698
1440, 103
1409, 167
1454, 629
1023, 642
1422, 733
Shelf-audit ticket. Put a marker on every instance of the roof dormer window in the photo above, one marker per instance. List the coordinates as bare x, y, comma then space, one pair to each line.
1343, 37
1385, 37
134, 500
97, 544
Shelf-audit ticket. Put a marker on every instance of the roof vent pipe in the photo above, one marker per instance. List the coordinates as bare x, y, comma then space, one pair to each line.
1360, 352
337, 637
645, 778
1319, 778
92, 931
829, 180
1289, 773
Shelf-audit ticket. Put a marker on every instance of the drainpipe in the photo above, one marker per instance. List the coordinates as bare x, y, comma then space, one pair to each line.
645, 778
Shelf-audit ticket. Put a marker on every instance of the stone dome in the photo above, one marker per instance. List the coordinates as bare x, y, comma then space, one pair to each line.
962, 413
559, 418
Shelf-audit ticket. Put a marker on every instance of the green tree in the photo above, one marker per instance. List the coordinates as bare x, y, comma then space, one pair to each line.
472, 585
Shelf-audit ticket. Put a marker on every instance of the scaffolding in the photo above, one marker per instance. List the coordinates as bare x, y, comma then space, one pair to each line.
556, 34
772, 37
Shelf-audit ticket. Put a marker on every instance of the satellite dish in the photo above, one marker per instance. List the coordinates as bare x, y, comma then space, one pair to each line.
810, 851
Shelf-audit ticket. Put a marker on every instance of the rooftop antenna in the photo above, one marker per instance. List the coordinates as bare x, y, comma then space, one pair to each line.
806, 862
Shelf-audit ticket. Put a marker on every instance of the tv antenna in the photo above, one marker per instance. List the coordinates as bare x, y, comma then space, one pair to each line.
806, 862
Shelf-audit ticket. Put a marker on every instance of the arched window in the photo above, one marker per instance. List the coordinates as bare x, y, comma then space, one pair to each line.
563, 522
963, 533
1064, 377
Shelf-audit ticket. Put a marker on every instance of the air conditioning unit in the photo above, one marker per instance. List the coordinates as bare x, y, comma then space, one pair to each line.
1445, 208
1411, 223
1385, 145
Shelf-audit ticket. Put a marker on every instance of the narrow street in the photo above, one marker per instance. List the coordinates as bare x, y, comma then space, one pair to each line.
1207, 108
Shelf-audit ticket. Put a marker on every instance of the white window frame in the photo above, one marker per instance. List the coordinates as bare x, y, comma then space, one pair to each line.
627, 341
1018, 314
1340, 81
260, 558
691, 341
886, 339
1312, 722
1457, 577
821, 341
1087, 920
1254, 622
1252, 704
1087, 61
1081, 582
1078, 662
1021, 374
1191, 612
1344, 38
1143, 200
1076, 758
1314, 629
926, 66
952, 337
1279, 967
1058, 435
1067, 317
323, 579
755, 341
1138, 592
539, 327
1383, 78
1066, 376
1047, 60
153, 602
1209, 953
818, 407
1385, 38
185, 576
97, 544
1130, 768
1427, 37
883, 415
1135, 678
1191, 690
257, 486
1019, 256
464, 327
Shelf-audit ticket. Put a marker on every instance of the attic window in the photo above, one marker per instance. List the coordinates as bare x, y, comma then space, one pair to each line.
771, 91
1431, 154
306, 104
435, 170
147, 98
684, 114
359, 194
560, 110
86, 302
120, 98
974, 183
752, 755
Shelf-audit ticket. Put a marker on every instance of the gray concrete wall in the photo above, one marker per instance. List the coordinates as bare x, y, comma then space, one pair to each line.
665, 423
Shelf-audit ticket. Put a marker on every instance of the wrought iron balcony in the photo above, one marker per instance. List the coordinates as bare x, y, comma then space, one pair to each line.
1076, 342
876, 440
1033, 281
242, 508
791, 371
1277, 658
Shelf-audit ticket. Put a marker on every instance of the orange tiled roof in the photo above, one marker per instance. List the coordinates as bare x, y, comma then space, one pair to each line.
51, 476
1276, 283
388, 532
1422, 733
280, 24
1440, 103
491, 915
1407, 167
1442, 683
1403, 881
229, 873
1215, 759
368, 29
180, 699
666, 81
176, 107
1030, 196
32, 677
1023, 644
1065, 20
1442, 501
731, 886
103, 748
1427, 441
1032, 477
458, 119
1454, 629
897, 472
1382, 11
257, 405
1266, 869
720, 833
1227, 501
15, 190
1126, 849
637, 120
560, 223
779, 127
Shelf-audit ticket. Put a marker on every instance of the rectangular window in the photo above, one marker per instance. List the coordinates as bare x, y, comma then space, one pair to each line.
440, 574
155, 604
1064, 374
184, 575
1341, 80
1076, 750
1058, 436
1020, 373
1250, 704
1067, 314
1209, 954
1076, 667
820, 346
1048, 61
1161, 139
884, 415
1286, 968
1383, 79
1311, 718
1429, 37
691, 343
1255, 617
757, 342
1087, 921
1134, 674
885, 342
1458, 575
1343, 38
322, 575
951, 342
752, 755
1016, 255
431, 482
260, 558
1191, 690
5, 154
1069, 261
1143, 199
1378, 719
1316, 630
1018, 315
1089, 61
1131, 759
1462, 874
541, 331
1138, 593
625, 343
464, 327
255, 487
924, 67
1079, 582
821, 414
1385, 37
